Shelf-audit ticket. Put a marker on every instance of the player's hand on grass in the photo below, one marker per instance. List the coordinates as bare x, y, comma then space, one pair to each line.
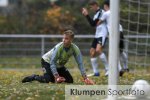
59, 79
88, 81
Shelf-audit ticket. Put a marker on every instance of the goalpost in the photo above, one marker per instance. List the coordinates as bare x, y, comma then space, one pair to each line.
135, 18
113, 46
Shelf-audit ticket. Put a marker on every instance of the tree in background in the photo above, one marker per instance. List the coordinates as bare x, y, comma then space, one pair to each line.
56, 18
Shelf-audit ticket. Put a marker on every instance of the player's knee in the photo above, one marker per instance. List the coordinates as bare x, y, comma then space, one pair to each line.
92, 53
98, 51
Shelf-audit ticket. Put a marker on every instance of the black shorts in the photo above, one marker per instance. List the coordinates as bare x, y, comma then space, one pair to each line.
121, 43
100, 40
61, 71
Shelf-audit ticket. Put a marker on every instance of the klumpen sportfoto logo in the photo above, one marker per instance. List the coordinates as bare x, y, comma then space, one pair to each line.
107, 92
102, 91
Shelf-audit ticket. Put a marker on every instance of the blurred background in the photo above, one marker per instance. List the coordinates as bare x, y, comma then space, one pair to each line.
29, 28
42, 16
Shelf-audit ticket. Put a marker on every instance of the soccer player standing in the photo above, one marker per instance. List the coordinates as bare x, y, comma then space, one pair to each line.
100, 37
123, 55
106, 18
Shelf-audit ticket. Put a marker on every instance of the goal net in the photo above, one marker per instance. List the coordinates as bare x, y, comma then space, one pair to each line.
135, 19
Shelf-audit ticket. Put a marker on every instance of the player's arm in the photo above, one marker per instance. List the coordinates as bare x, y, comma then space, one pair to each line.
90, 20
79, 60
102, 19
99, 22
53, 63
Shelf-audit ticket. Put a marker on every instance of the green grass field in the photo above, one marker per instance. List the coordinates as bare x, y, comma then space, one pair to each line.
11, 87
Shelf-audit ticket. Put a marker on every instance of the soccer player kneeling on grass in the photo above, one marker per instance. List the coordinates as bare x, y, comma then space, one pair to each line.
54, 60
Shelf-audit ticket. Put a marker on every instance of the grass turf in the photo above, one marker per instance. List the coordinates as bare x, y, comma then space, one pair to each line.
11, 87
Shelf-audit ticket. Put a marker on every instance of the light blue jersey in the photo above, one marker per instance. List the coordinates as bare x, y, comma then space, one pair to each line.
59, 56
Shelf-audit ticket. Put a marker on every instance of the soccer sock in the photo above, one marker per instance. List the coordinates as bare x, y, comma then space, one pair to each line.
124, 60
94, 65
119, 66
104, 60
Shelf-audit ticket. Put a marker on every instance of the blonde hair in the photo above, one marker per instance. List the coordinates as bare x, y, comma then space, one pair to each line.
70, 33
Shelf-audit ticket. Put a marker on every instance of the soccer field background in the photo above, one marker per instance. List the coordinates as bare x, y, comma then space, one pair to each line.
11, 87
35, 62
30, 28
